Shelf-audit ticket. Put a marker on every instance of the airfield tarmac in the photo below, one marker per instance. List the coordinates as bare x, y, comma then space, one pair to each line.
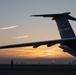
38, 69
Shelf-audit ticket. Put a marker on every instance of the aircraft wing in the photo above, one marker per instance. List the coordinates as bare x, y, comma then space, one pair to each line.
37, 44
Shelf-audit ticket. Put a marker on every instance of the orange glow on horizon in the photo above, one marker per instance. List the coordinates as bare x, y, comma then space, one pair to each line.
40, 52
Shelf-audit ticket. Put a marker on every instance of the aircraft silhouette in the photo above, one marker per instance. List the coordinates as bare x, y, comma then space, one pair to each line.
68, 38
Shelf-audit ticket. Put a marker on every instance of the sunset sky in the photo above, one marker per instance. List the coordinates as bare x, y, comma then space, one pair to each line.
16, 26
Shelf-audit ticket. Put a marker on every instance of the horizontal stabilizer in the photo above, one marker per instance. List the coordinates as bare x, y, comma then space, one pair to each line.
71, 18
50, 15
56, 15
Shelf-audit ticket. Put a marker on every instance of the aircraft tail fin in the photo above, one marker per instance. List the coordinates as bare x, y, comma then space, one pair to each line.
63, 24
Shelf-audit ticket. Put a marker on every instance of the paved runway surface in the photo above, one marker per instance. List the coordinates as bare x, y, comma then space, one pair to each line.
38, 70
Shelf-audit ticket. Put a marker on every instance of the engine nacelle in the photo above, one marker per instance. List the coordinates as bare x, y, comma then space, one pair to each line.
64, 47
68, 50
36, 46
48, 45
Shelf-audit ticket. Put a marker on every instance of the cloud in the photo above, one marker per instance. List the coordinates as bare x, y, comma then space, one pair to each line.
19, 37
10, 27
